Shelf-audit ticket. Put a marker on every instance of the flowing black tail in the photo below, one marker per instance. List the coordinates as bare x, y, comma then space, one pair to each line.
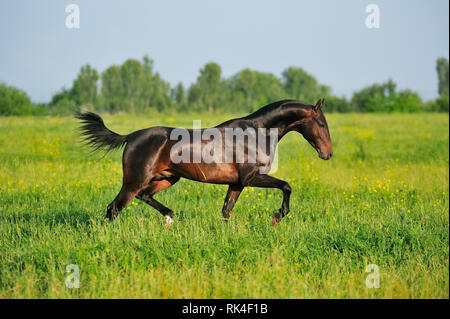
97, 135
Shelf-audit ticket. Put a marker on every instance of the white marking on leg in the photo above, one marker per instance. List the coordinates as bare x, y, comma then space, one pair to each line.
169, 219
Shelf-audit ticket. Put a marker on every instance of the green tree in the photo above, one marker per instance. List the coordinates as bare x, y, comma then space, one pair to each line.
131, 73
206, 93
147, 89
178, 96
111, 95
62, 103
14, 101
300, 85
384, 98
408, 101
375, 98
85, 87
442, 71
337, 104
133, 87
441, 104
161, 94
248, 90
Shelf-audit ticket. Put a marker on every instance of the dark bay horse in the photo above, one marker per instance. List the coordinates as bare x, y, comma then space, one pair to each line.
149, 165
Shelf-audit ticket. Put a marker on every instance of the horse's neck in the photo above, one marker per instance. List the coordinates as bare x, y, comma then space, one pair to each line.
280, 119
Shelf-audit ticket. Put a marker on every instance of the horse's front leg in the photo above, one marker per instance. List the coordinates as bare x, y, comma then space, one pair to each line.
230, 199
266, 181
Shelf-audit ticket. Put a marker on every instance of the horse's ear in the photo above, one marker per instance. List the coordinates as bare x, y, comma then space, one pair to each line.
319, 105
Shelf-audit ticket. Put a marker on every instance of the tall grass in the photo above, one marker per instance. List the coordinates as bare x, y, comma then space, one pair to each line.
382, 199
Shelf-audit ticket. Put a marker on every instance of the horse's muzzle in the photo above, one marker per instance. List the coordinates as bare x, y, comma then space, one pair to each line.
325, 156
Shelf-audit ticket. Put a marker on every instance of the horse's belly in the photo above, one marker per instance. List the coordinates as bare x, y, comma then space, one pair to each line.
216, 173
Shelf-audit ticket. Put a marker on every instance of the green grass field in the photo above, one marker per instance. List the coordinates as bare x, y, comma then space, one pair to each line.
382, 199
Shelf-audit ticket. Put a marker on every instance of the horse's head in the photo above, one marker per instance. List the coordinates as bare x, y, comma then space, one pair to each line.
315, 131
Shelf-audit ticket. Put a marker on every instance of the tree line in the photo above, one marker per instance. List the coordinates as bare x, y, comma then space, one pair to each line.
135, 87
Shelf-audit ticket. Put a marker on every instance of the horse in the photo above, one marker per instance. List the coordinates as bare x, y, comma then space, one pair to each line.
148, 165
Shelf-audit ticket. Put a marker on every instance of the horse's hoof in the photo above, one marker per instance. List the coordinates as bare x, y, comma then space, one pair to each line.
169, 221
276, 218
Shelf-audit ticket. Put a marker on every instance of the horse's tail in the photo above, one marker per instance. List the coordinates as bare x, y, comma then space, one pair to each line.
97, 135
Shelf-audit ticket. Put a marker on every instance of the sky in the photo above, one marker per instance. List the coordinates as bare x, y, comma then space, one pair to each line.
327, 38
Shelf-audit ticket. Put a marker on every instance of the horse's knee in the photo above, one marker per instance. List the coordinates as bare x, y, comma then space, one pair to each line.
287, 188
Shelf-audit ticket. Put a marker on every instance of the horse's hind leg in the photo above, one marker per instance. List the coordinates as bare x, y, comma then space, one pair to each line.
146, 195
139, 161
125, 195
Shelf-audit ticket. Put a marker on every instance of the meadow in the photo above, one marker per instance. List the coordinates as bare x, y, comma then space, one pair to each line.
382, 199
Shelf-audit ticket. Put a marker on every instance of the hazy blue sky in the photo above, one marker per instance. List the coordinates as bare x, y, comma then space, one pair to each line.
327, 38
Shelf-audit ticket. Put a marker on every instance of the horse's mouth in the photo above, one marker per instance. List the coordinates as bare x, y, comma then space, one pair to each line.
325, 156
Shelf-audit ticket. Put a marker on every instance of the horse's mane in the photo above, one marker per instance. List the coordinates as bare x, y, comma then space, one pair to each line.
277, 105
266, 110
